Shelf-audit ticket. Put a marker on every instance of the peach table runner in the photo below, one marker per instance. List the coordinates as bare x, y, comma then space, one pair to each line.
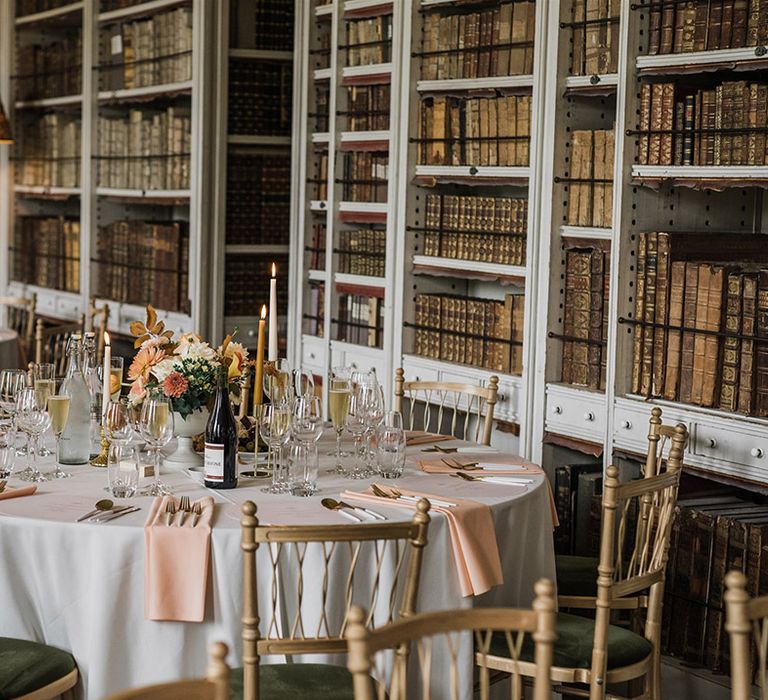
473, 536
176, 563
8, 492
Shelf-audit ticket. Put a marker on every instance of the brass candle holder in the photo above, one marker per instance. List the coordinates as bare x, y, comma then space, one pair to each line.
102, 459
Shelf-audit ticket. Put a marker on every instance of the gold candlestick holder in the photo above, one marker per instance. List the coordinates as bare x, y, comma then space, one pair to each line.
102, 459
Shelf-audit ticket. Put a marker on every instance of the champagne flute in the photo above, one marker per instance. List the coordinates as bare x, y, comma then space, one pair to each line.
275, 429
118, 429
33, 419
374, 413
355, 423
338, 400
156, 427
44, 377
58, 410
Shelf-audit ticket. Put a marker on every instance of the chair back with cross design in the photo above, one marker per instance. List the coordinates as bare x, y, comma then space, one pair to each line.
377, 564
20, 317
462, 410
51, 343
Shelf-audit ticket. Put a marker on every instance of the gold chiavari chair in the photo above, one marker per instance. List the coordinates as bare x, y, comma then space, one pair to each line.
379, 563
634, 542
96, 320
20, 317
215, 685
577, 575
32, 671
746, 621
465, 410
431, 640
51, 343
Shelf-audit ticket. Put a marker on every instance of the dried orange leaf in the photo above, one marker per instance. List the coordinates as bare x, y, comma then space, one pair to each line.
137, 328
158, 328
151, 316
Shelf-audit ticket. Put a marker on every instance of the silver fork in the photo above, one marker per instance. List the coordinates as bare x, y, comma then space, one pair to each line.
170, 511
381, 493
184, 508
197, 511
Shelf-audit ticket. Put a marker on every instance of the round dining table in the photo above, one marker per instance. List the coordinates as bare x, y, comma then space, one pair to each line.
79, 586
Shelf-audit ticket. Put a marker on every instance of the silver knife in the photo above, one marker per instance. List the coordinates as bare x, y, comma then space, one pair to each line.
372, 513
112, 516
98, 513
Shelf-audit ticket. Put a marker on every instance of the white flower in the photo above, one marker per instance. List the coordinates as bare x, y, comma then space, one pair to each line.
162, 369
192, 347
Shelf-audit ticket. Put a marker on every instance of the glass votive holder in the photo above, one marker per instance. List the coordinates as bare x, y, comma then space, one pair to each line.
123, 472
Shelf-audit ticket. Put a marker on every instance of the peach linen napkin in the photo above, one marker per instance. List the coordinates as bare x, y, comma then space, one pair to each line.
419, 437
473, 537
176, 563
8, 492
491, 465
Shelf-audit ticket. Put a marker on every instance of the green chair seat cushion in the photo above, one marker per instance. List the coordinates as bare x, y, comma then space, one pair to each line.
27, 666
573, 648
294, 681
576, 575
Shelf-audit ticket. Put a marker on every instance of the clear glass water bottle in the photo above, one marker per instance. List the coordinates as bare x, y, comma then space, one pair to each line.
75, 440
91, 374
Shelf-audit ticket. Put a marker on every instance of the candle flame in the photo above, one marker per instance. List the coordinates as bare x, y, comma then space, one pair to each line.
274, 270
106, 338
263, 311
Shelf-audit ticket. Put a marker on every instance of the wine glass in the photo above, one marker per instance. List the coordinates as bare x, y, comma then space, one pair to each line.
11, 382
34, 420
338, 400
307, 421
7, 449
275, 429
373, 397
390, 445
303, 383
118, 429
277, 381
156, 427
355, 423
44, 377
58, 411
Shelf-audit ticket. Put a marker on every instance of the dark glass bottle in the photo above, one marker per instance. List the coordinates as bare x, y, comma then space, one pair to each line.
221, 440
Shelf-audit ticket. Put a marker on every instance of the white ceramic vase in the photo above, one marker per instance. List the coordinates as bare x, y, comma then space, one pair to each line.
184, 456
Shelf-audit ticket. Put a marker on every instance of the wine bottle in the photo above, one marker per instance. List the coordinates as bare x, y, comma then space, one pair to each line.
221, 439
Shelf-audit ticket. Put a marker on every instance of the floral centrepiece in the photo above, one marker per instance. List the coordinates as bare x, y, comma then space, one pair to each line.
182, 368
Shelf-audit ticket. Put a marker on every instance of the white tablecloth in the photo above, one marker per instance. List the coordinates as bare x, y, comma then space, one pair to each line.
80, 586
9, 349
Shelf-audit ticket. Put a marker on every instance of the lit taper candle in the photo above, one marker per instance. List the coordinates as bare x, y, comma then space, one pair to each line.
258, 384
106, 376
272, 356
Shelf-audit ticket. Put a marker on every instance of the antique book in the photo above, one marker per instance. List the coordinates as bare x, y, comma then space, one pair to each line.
599, 173
644, 123
729, 381
726, 24
701, 26
519, 31
761, 347
690, 304
578, 9
747, 374
674, 337
667, 26
715, 20
655, 124
712, 344
705, 274
660, 315
651, 260
637, 338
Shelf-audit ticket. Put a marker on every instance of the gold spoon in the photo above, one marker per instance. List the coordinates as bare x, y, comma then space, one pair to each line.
103, 504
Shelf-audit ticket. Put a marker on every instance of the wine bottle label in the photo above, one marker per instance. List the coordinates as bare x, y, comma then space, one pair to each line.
214, 462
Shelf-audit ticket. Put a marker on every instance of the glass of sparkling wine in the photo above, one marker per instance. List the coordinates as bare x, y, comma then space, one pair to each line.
58, 410
275, 429
338, 402
156, 427
45, 382
115, 378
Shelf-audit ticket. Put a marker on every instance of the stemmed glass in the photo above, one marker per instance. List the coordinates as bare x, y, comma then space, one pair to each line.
303, 383
355, 423
373, 398
306, 429
7, 450
32, 419
44, 376
12, 381
277, 381
275, 429
118, 429
338, 403
156, 428
58, 411
307, 421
